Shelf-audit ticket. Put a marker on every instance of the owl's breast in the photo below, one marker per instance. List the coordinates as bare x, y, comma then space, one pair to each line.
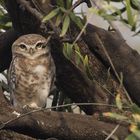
32, 76
39, 69
32, 85
34, 66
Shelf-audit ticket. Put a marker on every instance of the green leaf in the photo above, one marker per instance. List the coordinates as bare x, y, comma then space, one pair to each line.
86, 61
115, 116
76, 47
129, 13
64, 49
65, 27
80, 56
60, 3
118, 101
77, 20
67, 50
69, 3
93, 10
8, 24
136, 131
58, 20
63, 9
77, 59
108, 17
131, 137
52, 14
135, 109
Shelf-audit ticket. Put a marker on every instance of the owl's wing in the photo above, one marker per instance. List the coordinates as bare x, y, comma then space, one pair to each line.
12, 82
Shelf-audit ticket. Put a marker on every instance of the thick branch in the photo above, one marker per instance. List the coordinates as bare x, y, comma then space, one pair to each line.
11, 135
124, 58
64, 126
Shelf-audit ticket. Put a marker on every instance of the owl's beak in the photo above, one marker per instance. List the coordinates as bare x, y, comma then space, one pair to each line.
31, 51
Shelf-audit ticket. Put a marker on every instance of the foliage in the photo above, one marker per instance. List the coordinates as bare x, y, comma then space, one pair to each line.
63, 14
127, 12
131, 116
5, 22
73, 53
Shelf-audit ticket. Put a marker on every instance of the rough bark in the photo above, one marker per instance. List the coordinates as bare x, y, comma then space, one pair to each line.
124, 58
11, 135
64, 126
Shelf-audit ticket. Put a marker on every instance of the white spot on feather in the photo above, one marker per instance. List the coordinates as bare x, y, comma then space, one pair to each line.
33, 105
16, 113
39, 69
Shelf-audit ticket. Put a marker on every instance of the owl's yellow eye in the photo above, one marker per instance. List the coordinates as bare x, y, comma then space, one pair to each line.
22, 46
40, 45
43, 45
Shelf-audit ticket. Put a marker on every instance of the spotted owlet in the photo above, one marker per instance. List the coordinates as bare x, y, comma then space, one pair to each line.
32, 71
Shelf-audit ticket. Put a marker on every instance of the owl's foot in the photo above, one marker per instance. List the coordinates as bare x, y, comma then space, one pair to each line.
26, 108
34, 105
31, 106
16, 113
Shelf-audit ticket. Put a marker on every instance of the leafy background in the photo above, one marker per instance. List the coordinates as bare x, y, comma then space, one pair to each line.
128, 23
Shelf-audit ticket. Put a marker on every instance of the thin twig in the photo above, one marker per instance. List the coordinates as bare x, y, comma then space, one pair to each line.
113, 67
76, 4
48, 108
80, 34
113, 131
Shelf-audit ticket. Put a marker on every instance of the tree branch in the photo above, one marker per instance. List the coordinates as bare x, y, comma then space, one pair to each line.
8, 135
124, 58
64, 126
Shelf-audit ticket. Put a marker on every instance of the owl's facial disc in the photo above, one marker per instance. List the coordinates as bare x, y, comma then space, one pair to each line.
31, 46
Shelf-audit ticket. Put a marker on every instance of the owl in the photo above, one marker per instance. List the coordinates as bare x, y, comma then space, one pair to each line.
31, 74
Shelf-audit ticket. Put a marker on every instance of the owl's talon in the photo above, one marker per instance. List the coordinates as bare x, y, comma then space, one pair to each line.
26, 108
16, 113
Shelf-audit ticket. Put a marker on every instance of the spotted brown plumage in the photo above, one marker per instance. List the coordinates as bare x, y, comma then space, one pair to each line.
32, 71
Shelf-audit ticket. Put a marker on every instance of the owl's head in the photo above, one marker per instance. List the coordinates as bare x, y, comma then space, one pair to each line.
30, 46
